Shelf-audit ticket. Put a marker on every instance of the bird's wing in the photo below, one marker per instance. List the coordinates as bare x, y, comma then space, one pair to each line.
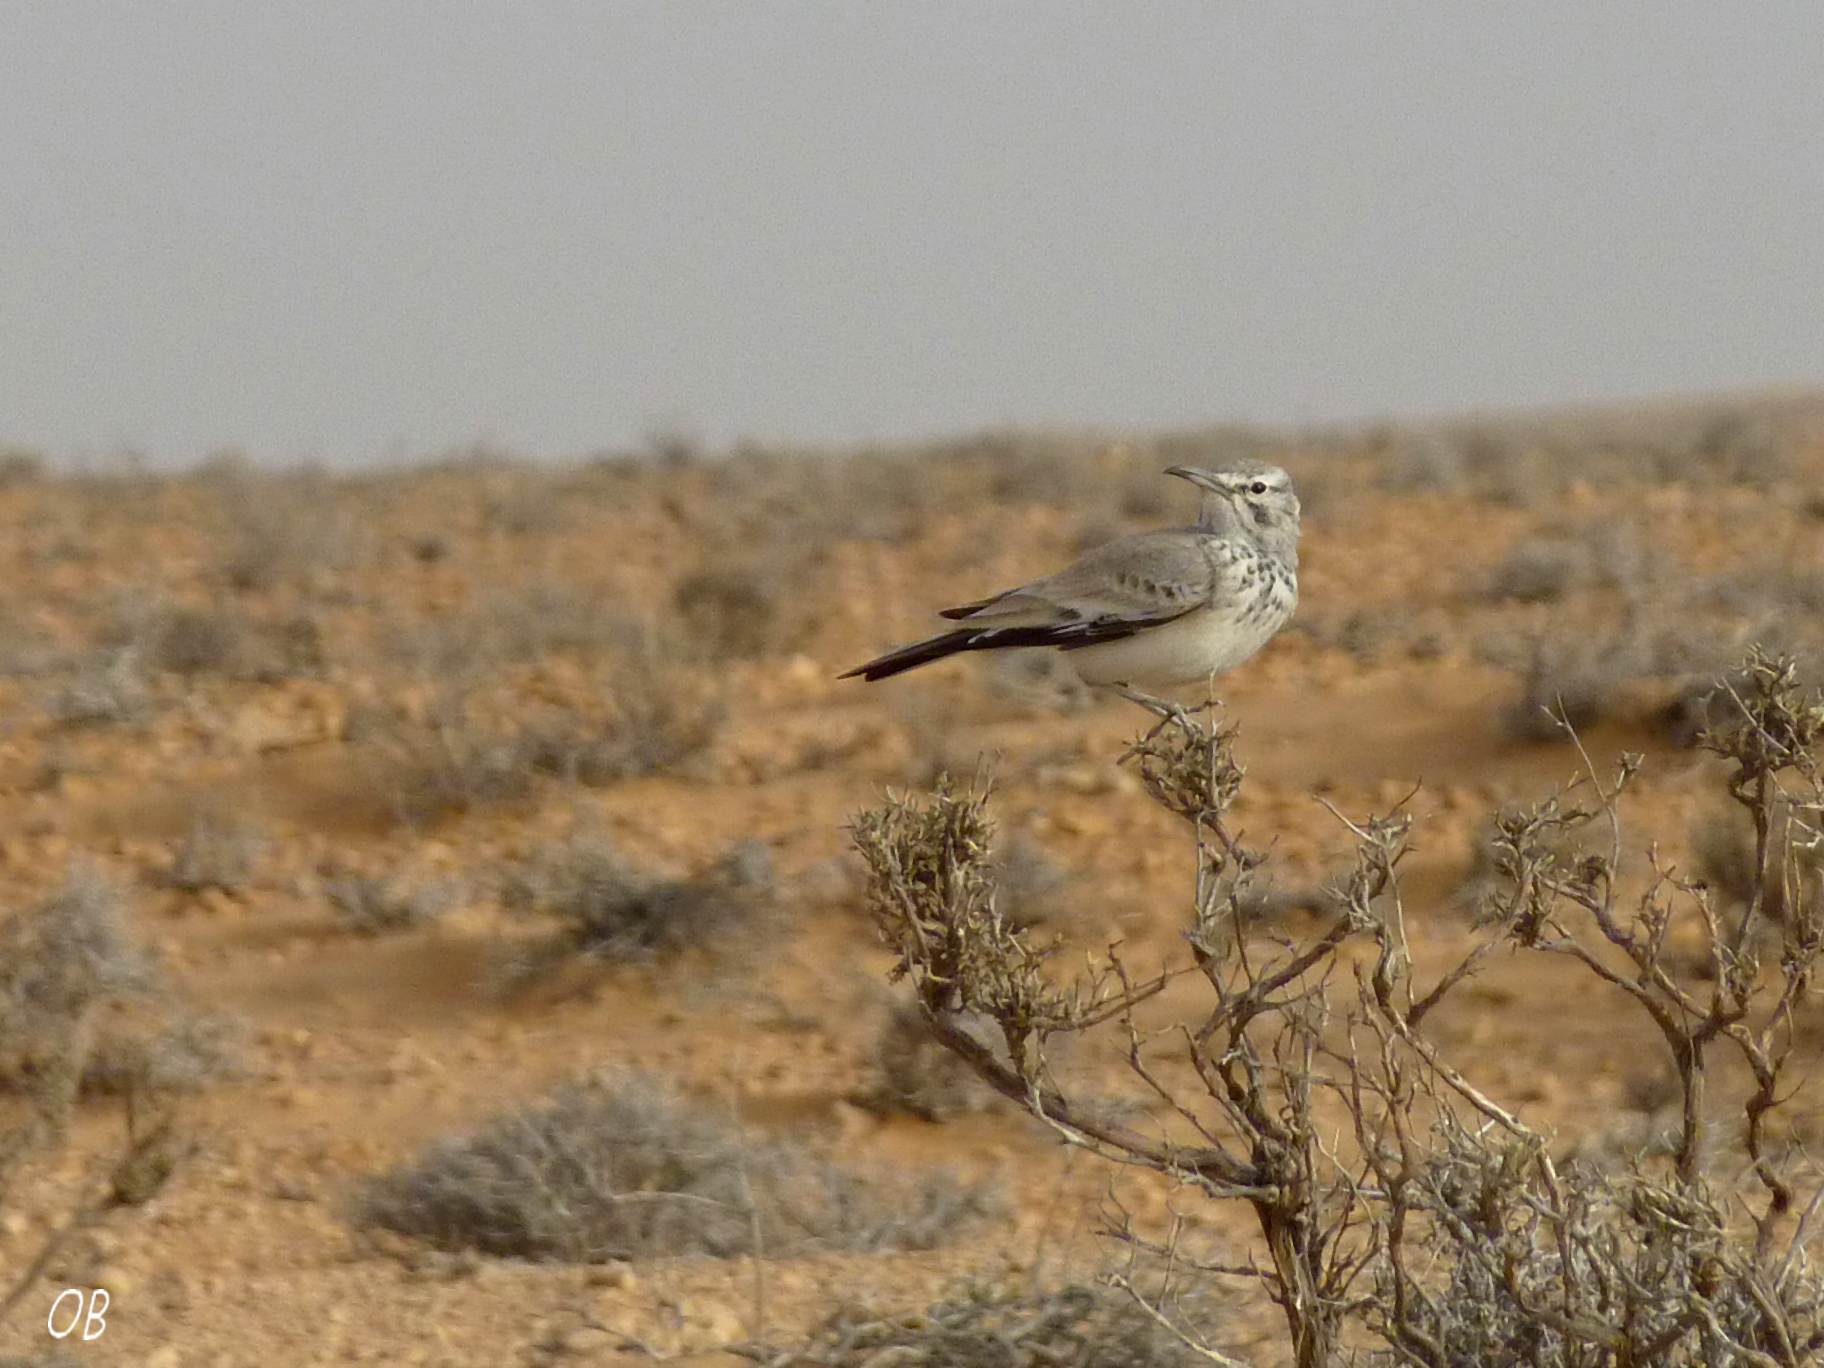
1137, 581
1113, 592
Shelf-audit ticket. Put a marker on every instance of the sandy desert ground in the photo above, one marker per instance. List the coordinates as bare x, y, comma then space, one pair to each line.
328, 767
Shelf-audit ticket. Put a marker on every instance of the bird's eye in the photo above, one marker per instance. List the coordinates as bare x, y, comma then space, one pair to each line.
1258, 487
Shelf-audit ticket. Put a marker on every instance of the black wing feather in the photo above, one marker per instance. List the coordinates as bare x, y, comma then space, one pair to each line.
1066, 636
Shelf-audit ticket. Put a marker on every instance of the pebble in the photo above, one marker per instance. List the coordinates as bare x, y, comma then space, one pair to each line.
619, 1276
120, 1281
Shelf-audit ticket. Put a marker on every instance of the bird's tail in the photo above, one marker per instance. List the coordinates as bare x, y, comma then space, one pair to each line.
1066, 636
918, 653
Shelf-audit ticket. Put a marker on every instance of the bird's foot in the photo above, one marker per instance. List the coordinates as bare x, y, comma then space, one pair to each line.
1162, 708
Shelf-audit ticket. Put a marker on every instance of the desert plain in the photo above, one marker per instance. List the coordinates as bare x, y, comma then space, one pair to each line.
344, 779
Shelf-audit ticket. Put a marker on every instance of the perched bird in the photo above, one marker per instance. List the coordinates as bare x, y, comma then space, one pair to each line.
1153, 610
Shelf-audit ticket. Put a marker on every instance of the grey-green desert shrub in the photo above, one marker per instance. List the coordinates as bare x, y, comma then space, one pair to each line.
619, 1166
607, 908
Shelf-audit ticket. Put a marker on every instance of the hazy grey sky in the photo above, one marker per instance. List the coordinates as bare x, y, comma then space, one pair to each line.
338, 229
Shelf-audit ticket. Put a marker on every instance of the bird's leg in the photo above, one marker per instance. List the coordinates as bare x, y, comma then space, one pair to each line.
1162, 708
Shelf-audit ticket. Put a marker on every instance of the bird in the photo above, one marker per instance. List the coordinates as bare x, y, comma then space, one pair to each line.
1155, 610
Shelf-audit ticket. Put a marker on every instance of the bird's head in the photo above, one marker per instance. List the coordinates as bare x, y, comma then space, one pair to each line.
1257, 496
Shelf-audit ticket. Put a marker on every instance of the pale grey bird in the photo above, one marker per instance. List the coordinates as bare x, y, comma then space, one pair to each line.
1154, 610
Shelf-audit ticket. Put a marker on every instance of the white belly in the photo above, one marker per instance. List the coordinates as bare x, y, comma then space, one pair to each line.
1187, 651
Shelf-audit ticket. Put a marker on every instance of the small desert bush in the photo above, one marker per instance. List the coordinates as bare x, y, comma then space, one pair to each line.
728, 614
661, 713
219, 850
650, 732
452, 762
1526, 459
194, 641
460, 758
107, 688
1744, 449
377, 905
191, 640
281, 528
83, 1009
619, 1166
20, 466
1540, 571
1573, 681
521, 500
546, 619
658, 709
915, 1074
1026, 467
61, 962
1082, 1325
1031, 888
608, 909
1789, 889
1595, 555
167, 1051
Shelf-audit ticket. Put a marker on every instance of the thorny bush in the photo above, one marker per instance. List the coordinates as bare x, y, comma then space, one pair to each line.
1405, 1215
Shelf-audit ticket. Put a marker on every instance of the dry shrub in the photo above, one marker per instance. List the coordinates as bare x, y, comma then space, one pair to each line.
1745, 449
658, 708
1596, 1267
282, 528
20, 466
163, 1051
1527, 459
219, 850
216, 639
379, 905
661, 713
1412, 460
1031, 888
108, 688
61, 963
524, 502
608, 909
651, 733
728, 614
1540, 571
193, 641
1575, 682
453, 762
1508, 843
1790, 887
915, 1074
619, 1166
1405, 1215
810, 501
1691, 711
84, 1011
981, 1326
656, 717
547, 619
